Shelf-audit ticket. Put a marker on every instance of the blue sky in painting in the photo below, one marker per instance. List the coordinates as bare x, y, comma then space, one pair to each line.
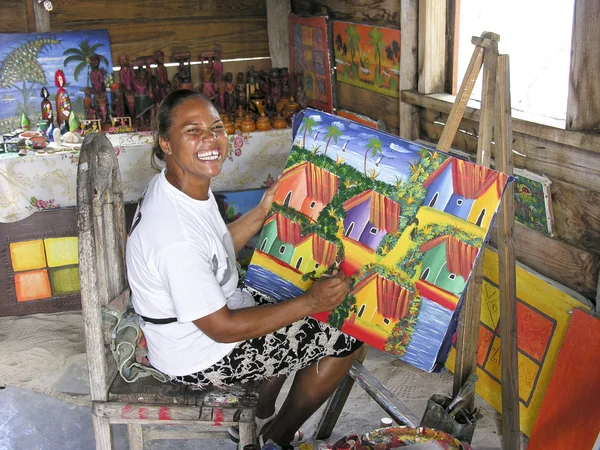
51, 59
391, 164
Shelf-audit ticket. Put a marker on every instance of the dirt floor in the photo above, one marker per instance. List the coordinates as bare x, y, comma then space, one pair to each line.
45, 354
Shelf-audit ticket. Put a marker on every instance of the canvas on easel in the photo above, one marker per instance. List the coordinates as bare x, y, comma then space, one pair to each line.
405, 221
310, 55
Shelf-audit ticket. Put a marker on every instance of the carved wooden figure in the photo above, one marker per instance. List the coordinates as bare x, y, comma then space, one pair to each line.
63, 103
98, 88
162, 77
46, 106
127, 75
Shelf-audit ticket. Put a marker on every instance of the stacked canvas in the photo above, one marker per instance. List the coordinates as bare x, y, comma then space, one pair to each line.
406, 222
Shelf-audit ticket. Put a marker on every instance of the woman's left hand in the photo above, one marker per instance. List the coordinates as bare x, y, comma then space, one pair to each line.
267, 200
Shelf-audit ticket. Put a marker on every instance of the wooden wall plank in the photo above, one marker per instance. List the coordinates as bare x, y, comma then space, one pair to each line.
557, 161
371, 104
583, 104
76, 15
443, 102
238, 37
409, 37
432, 46
278, 12
576, 215
14, 16
372, 12
573, 267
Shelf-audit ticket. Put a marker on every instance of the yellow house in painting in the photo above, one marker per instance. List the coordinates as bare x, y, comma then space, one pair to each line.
380, 302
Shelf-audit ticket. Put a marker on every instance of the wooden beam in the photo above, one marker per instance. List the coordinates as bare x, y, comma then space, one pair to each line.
371, 104
506, 265
409, 119
432, 46
278, 12
444, 102
488, 97
452, 34
583, 104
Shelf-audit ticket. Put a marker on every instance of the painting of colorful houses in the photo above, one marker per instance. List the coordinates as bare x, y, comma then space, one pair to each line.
367, 56
406, 222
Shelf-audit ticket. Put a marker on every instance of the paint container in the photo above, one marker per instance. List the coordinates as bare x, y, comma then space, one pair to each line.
250, 447
306, 446
269, 447
385, 422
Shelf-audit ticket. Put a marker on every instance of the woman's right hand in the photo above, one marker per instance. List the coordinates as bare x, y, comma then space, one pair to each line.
326, 294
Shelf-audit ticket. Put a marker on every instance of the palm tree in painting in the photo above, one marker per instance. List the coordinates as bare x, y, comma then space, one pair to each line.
332, 132
377, 42
375, 146
21, 70
353, 39
82, 55
307, 127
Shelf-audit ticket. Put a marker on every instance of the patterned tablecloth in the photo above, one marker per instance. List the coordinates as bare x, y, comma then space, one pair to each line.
47, 181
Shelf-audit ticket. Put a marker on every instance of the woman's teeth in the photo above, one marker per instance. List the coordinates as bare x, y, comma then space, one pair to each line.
210, 155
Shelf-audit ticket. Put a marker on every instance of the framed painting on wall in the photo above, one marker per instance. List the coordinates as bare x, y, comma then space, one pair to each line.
367, 56
310, 55
406, 222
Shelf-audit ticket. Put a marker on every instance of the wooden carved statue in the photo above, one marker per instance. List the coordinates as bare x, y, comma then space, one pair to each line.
240, 90
162, 78
46, 106
117, 99
183, 77
63, 103
127, 76
90, 112
98, 88
144, 102
230, 99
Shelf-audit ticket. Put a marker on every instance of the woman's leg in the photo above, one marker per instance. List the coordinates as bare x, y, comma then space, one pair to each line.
268, 396
311, 387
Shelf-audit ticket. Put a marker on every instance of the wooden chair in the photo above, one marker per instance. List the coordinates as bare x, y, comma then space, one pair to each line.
203, 414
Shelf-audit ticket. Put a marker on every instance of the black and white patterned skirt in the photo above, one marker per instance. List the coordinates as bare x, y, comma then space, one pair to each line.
279, 353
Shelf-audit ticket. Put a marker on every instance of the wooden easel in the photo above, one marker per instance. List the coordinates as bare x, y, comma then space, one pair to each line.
495, 113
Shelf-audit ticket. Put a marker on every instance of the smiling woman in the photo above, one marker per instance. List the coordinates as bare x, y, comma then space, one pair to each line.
201, 328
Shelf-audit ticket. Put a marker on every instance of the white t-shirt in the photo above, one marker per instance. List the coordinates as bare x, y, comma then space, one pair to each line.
181, 263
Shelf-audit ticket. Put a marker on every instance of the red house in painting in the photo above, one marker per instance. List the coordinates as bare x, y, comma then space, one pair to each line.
306, 188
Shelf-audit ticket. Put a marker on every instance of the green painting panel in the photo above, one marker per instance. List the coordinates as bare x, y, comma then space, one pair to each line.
65, 280
532, 202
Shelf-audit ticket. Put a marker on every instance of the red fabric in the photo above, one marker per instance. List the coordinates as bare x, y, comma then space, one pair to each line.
324, 252
287, 231
393, 300
470, 180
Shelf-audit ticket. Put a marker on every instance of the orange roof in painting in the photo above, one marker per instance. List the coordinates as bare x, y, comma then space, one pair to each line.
468, 180
321, 185
384, 212
460, 257
393, 300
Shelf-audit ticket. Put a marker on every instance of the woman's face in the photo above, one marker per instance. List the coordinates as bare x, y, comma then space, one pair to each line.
197, 142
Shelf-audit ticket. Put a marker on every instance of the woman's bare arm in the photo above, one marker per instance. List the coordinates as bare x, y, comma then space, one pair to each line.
227, 325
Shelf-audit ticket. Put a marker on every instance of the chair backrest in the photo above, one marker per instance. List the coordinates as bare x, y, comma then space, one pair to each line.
102, 273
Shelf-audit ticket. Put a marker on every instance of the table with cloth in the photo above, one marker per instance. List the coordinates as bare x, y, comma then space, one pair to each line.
38, 193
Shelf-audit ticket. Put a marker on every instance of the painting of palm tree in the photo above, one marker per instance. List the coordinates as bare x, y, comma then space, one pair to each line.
377, 43
374, 146
21, 66
307, 127
332, 132
82, 55
367, 57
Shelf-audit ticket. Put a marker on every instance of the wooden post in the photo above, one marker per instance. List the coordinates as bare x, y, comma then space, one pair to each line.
506, 264
409, 117
432, 46
488, 97
452, 33
583, 104
278, 29
38, 18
